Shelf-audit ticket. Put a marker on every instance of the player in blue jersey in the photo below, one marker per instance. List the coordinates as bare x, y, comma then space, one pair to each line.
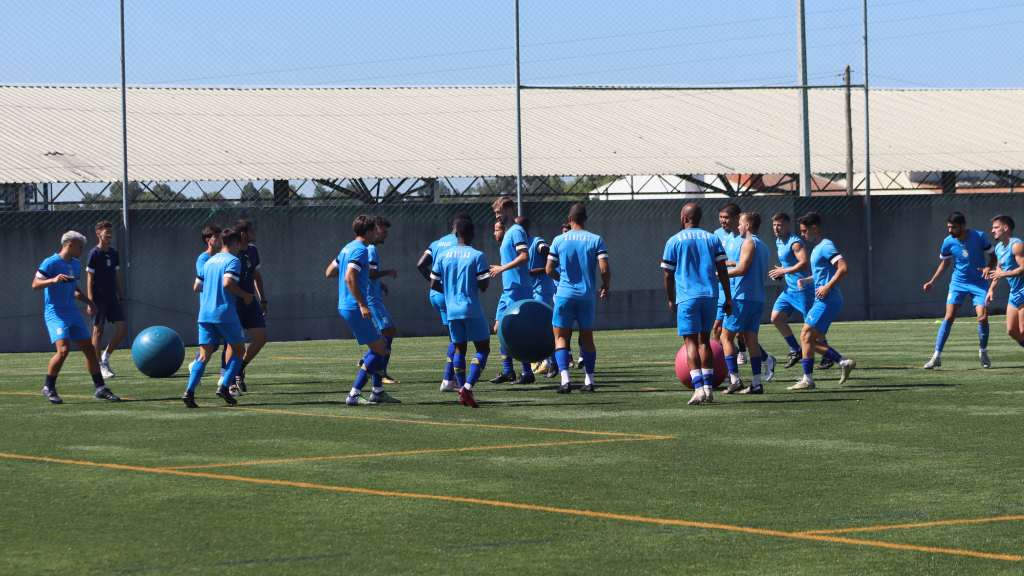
424, 265
728, 234
694, 264
515, 280
103, 286
252, 315
828, 268
378, 290
543, 285
794, 259
353, 289
211, 237
1010, 255
747, 305
578, 254
218, 317
966, 249
460, 274
58, 277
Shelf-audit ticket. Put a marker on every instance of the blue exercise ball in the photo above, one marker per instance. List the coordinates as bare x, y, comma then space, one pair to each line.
158, 352
525, 331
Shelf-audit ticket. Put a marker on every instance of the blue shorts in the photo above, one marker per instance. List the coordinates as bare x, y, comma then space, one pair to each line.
380, 314
510, 297
212, 332
250, 315
696, 315
579, 309
978, 291
821, 315
71, 327
796, 301
364, 329
437, 301
745, 317
720, 315
548, 299
108, 310
469, 330
1017, 299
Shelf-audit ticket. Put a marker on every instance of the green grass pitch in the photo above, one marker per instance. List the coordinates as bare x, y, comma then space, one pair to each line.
926, 464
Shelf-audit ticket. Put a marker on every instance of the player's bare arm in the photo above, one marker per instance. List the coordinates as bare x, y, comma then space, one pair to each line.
943, 264
841, 270
746, 258
803, 263
82, 297
257, 277
332, 270
351, 280
606, 276
670, 288
552, 270
232, 287
723, 277
424, 264
522, 258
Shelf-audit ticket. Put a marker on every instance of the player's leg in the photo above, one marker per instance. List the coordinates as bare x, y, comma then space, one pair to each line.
953, 300
589, 356
695, 321
508, 373
235, 351
978, 293
693, 360
389, 339
438, 304
755, 365
97, 335
562, 319
729, 349
112, 313
741, 349
92, 365
460, 360
198, 367
780, 319
63, 347
1013, 323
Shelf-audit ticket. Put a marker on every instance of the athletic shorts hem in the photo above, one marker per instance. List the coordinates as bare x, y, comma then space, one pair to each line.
580, 310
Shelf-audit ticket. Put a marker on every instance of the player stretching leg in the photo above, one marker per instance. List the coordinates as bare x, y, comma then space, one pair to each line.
578, 254
103, 286
218, 317
252, 315
692, 260
211, 237
795, 258
748, 303
58, 277
460, 274
424, 265
515, 280
1010, 254
353, 287
378, 290
828, 268
967, 249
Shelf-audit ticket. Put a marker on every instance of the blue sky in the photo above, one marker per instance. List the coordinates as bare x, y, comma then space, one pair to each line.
915, 43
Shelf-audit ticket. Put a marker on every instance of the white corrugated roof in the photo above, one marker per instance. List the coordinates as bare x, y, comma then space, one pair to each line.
61, 134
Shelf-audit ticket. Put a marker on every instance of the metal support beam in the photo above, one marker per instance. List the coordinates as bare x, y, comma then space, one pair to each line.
126, 244
519, 125
805, 130
867, 171
849, 135
281, 192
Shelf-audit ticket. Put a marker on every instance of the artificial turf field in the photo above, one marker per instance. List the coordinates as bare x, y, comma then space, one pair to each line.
900, 470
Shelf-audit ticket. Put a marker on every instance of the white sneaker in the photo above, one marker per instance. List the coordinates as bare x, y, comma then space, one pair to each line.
846, 366
449, 387
935, 362
769, 369
802, 384
741, 357
106, 371
985, 362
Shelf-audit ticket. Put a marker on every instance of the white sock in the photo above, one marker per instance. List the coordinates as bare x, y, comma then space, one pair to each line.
809, 377
445, 383
695, 374
982, 350
468, 386
223, 371
709, 375
734, 378
588, 379
756, 381
354, 391
565, 377
937, 354
105, 357
544, 365
377, 390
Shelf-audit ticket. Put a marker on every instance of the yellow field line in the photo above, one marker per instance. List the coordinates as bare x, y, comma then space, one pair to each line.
532, 507
918, 525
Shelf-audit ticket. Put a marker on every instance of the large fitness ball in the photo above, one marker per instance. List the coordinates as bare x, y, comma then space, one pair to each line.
525, 331
158, 352
683, 369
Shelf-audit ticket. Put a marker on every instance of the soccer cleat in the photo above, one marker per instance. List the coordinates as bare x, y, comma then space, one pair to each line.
846, 366
564, 389
535, 367
503, 377
234, 390
935, 362
802, 384
359, 364
741, 357
794, 359
105, 394
579, 363
51, 395
388, 380
383, 397
587, 388
825, 364
358, 401
106, 371
190, 364
985, 362
552, 372
525, 379
752, 390
466, 398
189, 398
224, 393
734, 387
769, 368
449, 387
240, 382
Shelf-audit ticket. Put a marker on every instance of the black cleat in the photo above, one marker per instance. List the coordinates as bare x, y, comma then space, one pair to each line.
564, 389
825, 364
794, 359
240, 382
51, 395
189, 398
552, 373
525, 379
105, 394
223, 392
503, 377
587, 388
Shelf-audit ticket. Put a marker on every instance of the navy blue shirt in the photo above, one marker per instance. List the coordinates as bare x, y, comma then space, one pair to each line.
250, 259
104, 267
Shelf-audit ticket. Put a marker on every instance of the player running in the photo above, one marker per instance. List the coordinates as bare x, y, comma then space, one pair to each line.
966, 249
353, 287
218, 317
828, 268
515, 280
378, 290
795, 258
543, 286
692, 260
252, 315
58, 277
578, 254
103, 287
1010, 254
211, 237
748, 305
460, 274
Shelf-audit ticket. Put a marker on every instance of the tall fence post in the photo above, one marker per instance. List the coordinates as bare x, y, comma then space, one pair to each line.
519, 125
849, 135
867, 171
805, 130
126, 246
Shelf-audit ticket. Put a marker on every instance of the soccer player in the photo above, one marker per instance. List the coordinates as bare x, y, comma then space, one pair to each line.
461, 274
103, 287
795, 258
578, 254
211, 237
967, 249
1010, 254
58, 277
692, 260
828, 268
747, 304
515, 279
426, 262
252, 314
543, 286
378, 290
353, 288
218, 317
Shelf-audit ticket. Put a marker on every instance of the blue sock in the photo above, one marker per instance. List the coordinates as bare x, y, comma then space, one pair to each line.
755, 365
97, 380
832, 355
196, 375
589, 359
764, 355
698, 382
794, 346
506, 361
476, 367
387, 352
449, 370
944, 329
234, 365
730, 361
460, 369
527, 369
741, 346
364, 372
824, 342
983, 335
808, 365
563, 356
376, 363
51, 381
552, 361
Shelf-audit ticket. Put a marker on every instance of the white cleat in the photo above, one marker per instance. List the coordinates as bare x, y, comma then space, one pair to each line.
769, 369
741, 357
449, 387
985, 362
846, 366
190, 364
106, 371
802, 384
935, 362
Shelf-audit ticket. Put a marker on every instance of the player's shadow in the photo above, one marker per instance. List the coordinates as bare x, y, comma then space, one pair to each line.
762, 400
899, 386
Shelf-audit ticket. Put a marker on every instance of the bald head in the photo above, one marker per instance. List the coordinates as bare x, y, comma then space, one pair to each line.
690, 216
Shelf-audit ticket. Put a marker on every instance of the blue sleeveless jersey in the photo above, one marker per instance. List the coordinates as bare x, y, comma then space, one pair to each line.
1008, 262
750, 286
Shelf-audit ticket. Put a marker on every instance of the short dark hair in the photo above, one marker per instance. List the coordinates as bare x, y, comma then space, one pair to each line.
210, 232
363, 224
1004, 220
504, 203
243, 226
230, 237
523, 221
957, 218
104, 224
566, 224
752, 218
578, 214
780, 217
465, 230
381, 222
809, 219
462, 216
733, 210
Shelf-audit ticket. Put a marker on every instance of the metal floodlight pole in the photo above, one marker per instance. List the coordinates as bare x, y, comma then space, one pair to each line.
805, 130
125, 247
867, 168
519, 125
